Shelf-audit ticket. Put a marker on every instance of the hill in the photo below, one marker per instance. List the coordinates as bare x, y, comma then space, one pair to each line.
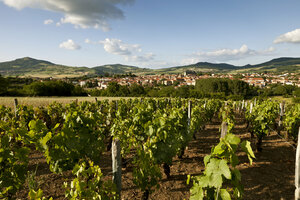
29, 67
40, 68
198, 67
280, 65
120, 69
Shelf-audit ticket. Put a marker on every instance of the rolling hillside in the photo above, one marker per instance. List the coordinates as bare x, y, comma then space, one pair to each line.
279, 65
198, 67
120, 69
29, 67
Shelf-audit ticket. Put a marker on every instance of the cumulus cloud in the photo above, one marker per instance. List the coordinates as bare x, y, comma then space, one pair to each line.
269, 50
88, 41
244, 50
69, 45
222, 55
81, 13
117, 47
140, 58
289, 37
130, 52
48, 21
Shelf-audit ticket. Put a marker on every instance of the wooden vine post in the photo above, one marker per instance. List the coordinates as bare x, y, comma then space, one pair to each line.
248, 122
189, 117
188, 128
281, 115
16, 107
297, 170
234, 106
189, 113
117, 163
224, 128
243, 105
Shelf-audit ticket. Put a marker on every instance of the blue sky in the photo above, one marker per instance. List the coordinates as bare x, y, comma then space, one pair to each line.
149, 33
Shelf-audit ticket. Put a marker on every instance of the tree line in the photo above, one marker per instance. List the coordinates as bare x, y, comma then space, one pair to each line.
30, 87
221, 88
205, 88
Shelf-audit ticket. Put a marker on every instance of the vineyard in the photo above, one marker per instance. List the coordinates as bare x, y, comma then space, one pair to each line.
148, 149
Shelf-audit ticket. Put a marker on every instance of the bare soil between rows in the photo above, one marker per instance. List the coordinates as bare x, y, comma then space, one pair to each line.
271, 176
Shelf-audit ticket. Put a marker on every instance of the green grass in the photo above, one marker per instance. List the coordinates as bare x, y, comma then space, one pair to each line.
44, 101
281, 98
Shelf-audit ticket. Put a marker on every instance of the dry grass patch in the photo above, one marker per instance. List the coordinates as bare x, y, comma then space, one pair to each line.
44, 101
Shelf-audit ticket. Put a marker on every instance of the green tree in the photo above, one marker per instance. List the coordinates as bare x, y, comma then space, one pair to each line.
225, 86
35, 89
279, 90
3, 85
136, 90
183, 91
53, 88
167, 91
296, 93
113, 89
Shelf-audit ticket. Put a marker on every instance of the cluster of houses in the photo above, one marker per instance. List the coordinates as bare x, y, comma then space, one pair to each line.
189, 78
147, 80
264, 80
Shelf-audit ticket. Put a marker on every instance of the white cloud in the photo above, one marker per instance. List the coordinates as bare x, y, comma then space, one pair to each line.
81, 13
117, 47
223, 55
227, 52
130, 52
70, 45
88, 41
191, 60
140, 58
48, 21
269, 50
289, 37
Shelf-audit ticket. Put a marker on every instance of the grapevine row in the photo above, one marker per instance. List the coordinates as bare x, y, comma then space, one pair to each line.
152, 132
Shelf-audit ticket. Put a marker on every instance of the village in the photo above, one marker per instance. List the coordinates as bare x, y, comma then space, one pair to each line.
190, 77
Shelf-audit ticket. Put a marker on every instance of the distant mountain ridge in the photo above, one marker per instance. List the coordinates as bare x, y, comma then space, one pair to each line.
281, 61
119, 69
40, 68
31, 67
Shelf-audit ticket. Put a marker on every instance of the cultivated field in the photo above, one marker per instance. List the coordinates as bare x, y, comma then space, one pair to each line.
44, 101
56, 139
271, 177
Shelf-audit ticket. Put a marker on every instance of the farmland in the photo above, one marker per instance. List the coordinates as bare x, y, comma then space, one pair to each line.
162, 142
45, 101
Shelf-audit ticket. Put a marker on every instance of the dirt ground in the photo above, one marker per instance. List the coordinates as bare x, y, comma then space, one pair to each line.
270, 177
